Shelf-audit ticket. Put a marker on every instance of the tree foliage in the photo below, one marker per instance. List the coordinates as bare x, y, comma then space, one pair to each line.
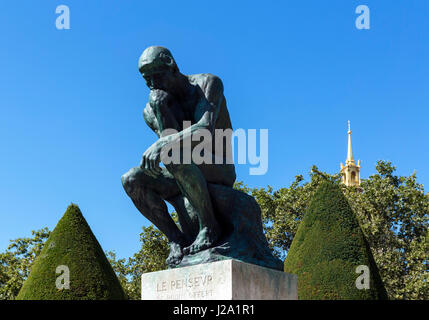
393, 212
328, 247
72, 245
16, 261
151, 257
283, 209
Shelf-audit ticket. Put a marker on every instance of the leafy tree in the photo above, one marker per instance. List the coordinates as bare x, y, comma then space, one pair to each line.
328, 247
16, 261
393, 212
72, 244
151, 257
283, 210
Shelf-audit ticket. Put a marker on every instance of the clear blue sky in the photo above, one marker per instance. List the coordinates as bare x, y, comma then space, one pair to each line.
71, 101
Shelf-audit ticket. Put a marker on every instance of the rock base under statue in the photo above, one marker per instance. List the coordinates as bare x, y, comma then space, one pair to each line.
221, 280
242, 238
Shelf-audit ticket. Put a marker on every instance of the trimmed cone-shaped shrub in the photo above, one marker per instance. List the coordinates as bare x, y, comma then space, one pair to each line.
73, 245
328, 247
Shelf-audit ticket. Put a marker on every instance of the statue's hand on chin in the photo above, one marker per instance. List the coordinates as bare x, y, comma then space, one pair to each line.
159, 97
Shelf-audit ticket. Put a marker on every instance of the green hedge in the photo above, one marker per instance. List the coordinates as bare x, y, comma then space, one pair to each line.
72, 244
327, 248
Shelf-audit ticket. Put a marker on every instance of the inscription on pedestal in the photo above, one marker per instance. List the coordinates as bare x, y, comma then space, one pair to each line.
222, 280
194, 287
200, 282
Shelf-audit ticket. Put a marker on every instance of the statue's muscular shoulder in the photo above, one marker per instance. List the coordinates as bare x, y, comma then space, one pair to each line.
210, 84
212, 87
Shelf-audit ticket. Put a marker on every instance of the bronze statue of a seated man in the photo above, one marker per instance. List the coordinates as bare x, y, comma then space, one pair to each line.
175, 99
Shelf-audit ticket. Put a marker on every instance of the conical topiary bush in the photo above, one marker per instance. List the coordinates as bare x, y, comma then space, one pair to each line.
72, 244
328, 247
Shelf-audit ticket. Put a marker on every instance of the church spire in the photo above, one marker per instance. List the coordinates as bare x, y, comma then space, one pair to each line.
349, 159
350, 172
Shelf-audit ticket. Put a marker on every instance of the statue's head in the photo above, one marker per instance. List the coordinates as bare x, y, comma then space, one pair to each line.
157, 66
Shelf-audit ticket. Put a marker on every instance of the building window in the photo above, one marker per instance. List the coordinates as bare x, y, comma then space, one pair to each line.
353, 176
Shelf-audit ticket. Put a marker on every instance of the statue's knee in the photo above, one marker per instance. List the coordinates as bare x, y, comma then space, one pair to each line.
128, 180
180, 170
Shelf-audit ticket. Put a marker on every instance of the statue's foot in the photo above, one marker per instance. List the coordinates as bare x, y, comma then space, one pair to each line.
175, 256
206, 238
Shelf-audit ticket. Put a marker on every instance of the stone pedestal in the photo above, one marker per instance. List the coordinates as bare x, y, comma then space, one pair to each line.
221, 280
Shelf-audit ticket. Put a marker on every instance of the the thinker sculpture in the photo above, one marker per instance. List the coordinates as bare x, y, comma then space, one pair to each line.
215, 221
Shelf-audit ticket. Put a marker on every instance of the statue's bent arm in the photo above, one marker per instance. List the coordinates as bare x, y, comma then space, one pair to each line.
150, 119
206, 112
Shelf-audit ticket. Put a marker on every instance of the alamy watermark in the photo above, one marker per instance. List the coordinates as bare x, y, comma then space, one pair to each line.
63, 280
63, 20
363, 20
203, 146
362, 282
